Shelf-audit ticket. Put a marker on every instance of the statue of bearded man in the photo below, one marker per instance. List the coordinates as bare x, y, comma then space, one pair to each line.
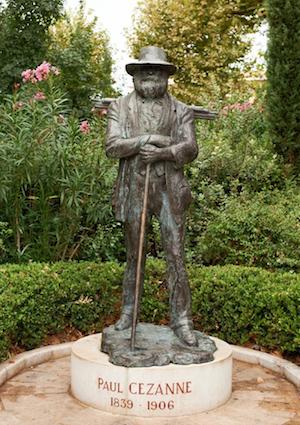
149, 126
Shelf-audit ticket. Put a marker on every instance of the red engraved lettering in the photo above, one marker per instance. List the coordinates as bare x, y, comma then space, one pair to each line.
150, 387
159, 390
100, 382
180, 388
115, 387
170, 388
131, 386
141, 388
188, 388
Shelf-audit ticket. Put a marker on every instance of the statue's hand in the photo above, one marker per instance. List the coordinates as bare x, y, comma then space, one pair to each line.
151, 154
159, 141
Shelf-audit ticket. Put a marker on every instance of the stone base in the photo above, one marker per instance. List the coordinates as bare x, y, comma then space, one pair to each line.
159, 391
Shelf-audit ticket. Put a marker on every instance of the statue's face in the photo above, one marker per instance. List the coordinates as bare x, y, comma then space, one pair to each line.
151, 82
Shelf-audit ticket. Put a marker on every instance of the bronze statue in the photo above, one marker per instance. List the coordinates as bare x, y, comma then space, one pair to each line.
153, 136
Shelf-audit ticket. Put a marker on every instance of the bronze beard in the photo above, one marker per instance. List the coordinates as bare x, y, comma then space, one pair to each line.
150, 87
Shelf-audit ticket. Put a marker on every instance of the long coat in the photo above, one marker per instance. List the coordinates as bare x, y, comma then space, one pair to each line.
123, 142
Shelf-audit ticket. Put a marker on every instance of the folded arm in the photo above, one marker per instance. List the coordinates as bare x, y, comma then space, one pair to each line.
152, 147
161, 148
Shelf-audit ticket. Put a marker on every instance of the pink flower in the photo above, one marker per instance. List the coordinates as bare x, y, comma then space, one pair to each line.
39, 96
237, 107
85, 127
42, 71
27, 75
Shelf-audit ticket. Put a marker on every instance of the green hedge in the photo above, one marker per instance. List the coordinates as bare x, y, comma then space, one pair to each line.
238, 304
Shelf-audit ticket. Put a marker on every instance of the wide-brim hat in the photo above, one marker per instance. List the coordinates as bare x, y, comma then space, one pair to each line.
151, 55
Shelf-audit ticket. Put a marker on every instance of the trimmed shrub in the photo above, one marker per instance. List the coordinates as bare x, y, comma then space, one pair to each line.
40, 299
238, 304
245, 304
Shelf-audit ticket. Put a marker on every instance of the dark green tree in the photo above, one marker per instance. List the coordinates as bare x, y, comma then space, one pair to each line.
283, 93
24, 36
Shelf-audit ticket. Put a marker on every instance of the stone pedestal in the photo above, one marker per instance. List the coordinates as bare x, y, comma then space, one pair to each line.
158, 391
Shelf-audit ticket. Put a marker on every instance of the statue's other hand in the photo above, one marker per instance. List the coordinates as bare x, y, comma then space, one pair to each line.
159, 141
151, 154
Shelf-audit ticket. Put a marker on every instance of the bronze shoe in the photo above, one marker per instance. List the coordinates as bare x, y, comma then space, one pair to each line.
124, 322
186, 335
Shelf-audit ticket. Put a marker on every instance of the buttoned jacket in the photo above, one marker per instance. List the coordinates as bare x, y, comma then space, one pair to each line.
123, 143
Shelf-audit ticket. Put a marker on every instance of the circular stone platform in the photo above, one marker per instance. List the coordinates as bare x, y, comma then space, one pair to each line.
158, 391
34, 389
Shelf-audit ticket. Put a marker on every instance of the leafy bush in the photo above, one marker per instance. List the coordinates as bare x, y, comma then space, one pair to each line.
242, 304
238, 304
5, 234
245, 211
55, 181
39, 299
258, 229
107, 244
235, 151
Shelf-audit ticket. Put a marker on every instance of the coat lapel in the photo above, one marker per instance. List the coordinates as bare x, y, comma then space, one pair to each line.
132, 118
174, 117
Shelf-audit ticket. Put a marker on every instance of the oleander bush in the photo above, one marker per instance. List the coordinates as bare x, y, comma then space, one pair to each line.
55, 181
238, 304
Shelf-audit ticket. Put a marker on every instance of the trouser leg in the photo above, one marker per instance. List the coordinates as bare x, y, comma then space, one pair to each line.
172, 234
132, 230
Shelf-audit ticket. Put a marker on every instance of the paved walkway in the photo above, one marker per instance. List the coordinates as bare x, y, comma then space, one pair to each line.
39, 396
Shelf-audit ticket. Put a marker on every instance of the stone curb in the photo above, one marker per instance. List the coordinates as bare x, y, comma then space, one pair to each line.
276, 364
31, 358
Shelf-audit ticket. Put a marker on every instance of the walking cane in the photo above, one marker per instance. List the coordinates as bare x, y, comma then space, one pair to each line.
139, 261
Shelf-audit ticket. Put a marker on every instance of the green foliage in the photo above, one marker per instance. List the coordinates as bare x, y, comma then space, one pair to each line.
39, 299
106, 244
56, 185
261, 230
55, 182
82, 54
244, 211
5, 234
24, 36
235, 151
205, 39
284, 79
238, 304
243, 304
